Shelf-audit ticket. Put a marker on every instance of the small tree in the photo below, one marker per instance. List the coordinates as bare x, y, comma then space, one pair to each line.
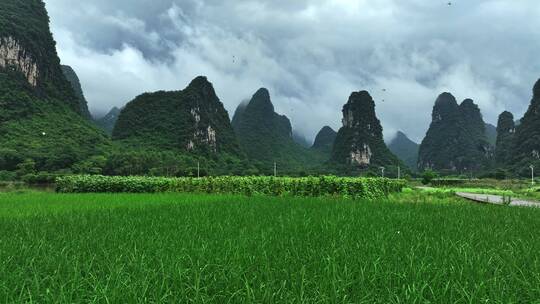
428, 176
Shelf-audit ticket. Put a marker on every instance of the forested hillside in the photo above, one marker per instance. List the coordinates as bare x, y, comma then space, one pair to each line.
41, 122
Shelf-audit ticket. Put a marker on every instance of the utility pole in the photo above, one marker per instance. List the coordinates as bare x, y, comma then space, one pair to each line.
398, 172
275, 169
382, 172
532, 174
198, 170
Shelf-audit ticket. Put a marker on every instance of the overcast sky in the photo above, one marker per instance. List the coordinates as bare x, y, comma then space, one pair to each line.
310, 54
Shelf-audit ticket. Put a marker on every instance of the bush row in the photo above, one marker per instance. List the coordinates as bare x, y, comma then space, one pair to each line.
275, 186
447, 182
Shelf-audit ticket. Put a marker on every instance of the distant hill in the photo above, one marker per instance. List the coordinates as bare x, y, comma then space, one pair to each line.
324, 141
456, 141
359, 143
192, 120
526, 148
108, 121
301, 140
506, 130
42, 122
405, 149
267, 137
491, 134
73, 79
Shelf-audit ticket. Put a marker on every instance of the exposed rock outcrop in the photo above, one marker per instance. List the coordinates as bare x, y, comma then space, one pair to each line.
359, 143
192, 120
39, 113
13, 55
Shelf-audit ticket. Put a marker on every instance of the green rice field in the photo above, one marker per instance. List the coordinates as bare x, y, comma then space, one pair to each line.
185, 248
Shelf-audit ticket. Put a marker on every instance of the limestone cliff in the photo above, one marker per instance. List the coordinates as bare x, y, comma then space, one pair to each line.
359, 143
192, 120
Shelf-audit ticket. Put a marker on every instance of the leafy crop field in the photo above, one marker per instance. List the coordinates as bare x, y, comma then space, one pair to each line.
184, 248
354, 187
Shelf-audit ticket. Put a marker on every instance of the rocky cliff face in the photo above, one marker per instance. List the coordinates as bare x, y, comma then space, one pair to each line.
456, 140
192, 120
506, 130
39, 112
13, 55
73, 79
359, 143
526, 148
405, 149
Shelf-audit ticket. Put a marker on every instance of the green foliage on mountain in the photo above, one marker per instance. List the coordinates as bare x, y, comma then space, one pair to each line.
456, 140
192, 120
526, 148
405, 149
301, 140
267, 138
324, 141
73, 79
359, 143
27, 22
506, 129
107, 122
40, 121
491, 134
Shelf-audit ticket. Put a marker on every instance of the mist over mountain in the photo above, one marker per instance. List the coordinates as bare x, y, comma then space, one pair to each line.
405, 149
267, 137
406, 57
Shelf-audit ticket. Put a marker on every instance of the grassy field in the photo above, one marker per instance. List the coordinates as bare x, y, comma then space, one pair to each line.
174, 248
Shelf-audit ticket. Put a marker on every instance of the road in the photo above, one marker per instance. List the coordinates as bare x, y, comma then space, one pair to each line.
497, 199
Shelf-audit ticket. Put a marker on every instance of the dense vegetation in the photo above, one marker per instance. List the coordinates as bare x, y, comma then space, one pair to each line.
267, 138
324, 141
359, 143
405, 149
28, 23
73, 79
41, 127
107, 122
192, 120
506, 130
277, 186
456, 141
45, 127
526, 149
181, 248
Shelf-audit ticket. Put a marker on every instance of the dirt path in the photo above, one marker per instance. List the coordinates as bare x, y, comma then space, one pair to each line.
497, 199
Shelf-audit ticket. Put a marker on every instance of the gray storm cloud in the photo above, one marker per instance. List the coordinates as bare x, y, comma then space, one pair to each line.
311, 54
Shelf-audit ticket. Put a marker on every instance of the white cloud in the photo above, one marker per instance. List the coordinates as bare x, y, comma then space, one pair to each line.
311, 54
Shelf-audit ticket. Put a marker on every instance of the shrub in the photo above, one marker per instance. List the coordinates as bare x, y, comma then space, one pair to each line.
428, 176
275, 186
